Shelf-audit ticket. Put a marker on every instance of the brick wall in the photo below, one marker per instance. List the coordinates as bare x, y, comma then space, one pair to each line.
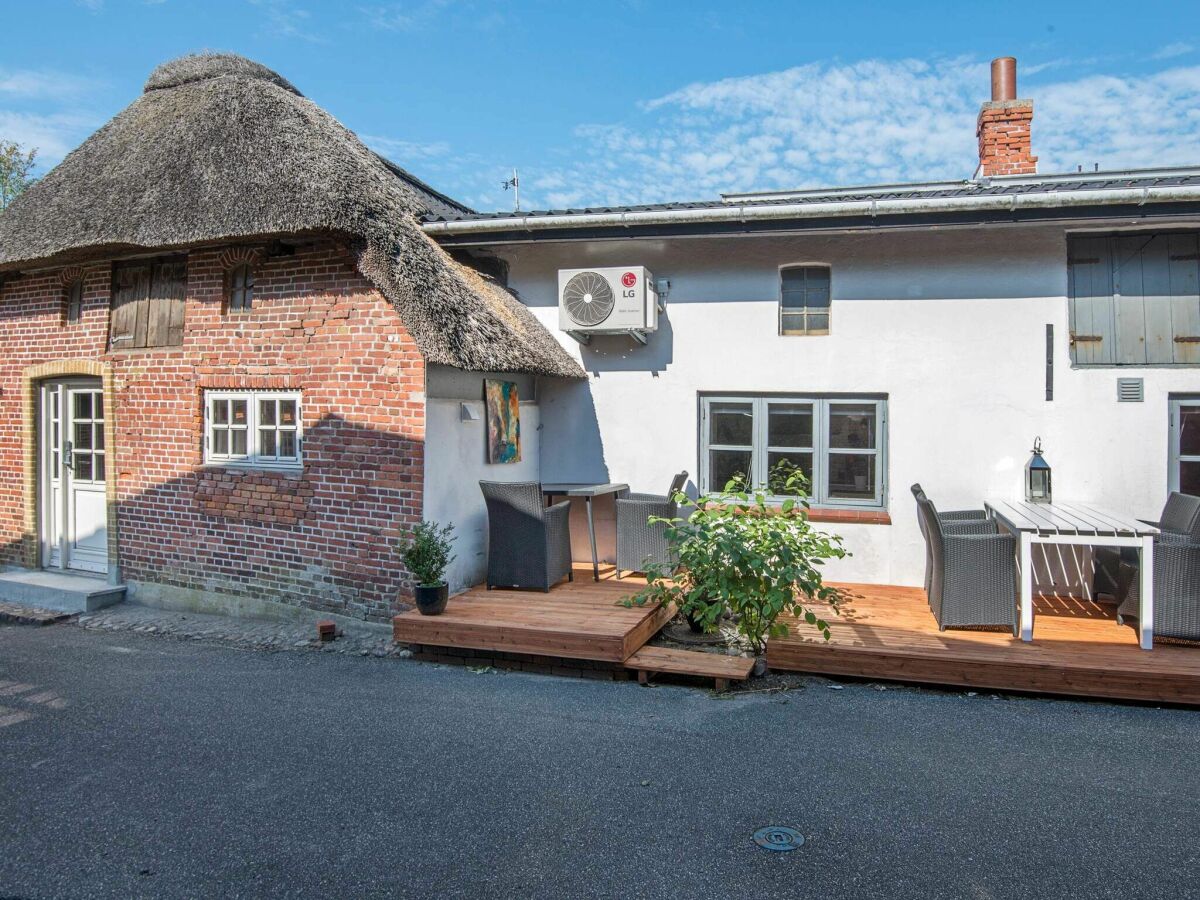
1005, 139
324, 538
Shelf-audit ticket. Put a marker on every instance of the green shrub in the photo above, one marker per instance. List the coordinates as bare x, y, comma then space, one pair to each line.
426, 552
738, 553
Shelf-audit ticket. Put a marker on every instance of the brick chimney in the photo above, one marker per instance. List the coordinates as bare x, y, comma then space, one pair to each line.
1003, 126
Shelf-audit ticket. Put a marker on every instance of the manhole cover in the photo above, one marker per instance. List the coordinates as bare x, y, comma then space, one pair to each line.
778, 837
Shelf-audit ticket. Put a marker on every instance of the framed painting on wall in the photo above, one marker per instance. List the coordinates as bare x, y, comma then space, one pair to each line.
503, 421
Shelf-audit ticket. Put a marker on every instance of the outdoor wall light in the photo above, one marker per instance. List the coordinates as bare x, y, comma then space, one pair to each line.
1037, 476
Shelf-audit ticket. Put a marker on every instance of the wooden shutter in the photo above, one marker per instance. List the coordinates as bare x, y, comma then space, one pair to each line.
130, 293
1090, 275
147, 304
168, 287
1184, 262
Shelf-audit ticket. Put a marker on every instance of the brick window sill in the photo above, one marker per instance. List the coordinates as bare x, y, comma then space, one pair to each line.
851, 516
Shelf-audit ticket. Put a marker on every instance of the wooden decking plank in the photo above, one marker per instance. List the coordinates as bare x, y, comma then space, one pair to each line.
1078, 648
668, 660
691, 662
574, 620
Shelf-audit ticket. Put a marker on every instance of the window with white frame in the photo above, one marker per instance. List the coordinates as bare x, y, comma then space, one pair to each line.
252, 428
804, 300
1185, 445
756, 442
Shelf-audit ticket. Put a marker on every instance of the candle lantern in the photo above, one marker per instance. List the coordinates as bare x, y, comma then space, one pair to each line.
1037, 476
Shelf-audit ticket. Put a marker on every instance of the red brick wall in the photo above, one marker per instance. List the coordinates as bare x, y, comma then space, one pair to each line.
325, 538
1005, 139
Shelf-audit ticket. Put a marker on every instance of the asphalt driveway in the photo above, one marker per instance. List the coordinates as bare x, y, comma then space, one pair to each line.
136, 766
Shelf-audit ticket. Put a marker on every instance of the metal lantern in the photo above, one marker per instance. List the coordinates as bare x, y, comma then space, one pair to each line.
1037, 476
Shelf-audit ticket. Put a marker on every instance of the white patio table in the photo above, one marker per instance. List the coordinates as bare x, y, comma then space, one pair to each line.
1080, 524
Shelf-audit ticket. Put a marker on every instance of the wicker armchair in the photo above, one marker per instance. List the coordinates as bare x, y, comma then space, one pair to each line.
1180, 516
973, 577
529, 544
960, 521
639, 542
1176, 585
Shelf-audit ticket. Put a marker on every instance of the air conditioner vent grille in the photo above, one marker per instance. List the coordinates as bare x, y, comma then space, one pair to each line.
588, 298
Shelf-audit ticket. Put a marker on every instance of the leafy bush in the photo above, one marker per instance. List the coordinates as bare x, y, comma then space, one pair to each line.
426, 552
737, 553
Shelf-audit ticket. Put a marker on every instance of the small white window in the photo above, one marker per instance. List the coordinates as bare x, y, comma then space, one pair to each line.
804, 300
252, 428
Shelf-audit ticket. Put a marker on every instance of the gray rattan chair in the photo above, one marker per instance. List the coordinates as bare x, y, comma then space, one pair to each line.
1180, 516
640, 543
960, 521
1176, 585
973, 577
529, 544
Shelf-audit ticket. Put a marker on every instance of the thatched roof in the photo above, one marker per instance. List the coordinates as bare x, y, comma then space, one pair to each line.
220, 148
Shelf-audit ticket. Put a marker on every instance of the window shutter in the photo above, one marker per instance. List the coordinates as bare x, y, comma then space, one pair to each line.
130, 293
1183, 260
167, 291
1091, 300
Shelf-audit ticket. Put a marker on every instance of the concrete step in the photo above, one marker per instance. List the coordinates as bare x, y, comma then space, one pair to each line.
71, 593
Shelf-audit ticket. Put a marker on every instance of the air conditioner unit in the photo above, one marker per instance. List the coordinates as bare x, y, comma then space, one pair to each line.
611, 300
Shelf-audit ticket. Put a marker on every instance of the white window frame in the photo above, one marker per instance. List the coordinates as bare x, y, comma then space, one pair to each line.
828, 313
821, 449
253, 458
1177, 403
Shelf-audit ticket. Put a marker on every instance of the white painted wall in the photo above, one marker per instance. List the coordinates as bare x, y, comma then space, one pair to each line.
949, 324
456, 461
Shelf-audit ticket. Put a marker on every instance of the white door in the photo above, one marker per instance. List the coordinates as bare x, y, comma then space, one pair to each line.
74, 468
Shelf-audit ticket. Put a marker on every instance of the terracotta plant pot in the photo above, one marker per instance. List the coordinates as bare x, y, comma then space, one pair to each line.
431, 598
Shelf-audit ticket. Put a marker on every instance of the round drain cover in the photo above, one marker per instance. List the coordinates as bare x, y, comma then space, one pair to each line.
778, 837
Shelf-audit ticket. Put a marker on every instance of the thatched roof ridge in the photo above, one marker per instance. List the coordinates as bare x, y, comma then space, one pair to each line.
221, 148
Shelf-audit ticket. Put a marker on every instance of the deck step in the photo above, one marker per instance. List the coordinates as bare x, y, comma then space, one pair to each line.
666, 660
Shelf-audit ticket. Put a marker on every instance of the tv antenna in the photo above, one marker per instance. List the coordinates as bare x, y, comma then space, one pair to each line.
515, 184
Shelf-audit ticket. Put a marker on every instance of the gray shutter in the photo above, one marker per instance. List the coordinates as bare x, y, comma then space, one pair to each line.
1129, 294
1156, 299
1184, 263
1089, 273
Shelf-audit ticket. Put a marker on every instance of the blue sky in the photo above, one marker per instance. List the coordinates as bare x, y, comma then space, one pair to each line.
643, 101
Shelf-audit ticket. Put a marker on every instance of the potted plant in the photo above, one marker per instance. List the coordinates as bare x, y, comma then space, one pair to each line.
737, 552
426, 552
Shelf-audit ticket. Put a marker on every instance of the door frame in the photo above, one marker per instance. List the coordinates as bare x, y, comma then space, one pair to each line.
31, 389
57, 516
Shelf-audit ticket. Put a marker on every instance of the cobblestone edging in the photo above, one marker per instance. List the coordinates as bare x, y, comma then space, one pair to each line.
248, 634
17, 614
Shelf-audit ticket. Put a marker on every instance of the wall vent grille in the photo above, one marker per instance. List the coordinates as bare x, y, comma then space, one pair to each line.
1130, 390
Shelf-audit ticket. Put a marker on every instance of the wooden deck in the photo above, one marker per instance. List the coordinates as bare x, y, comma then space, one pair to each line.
575, 620
1077, 649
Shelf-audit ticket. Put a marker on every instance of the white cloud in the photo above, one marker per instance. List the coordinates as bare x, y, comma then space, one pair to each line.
29, 83
285, 19
53, 135
47, 110
1170, 51
406, 16
871, 121
402, 152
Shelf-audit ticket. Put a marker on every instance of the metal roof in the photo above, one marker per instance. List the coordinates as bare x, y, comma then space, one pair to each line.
1012, 185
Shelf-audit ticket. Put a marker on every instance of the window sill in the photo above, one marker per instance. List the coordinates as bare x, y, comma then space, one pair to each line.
851, 516
251, 468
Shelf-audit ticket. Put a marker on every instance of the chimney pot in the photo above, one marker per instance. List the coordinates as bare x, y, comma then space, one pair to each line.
1003, 126
1004, 78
